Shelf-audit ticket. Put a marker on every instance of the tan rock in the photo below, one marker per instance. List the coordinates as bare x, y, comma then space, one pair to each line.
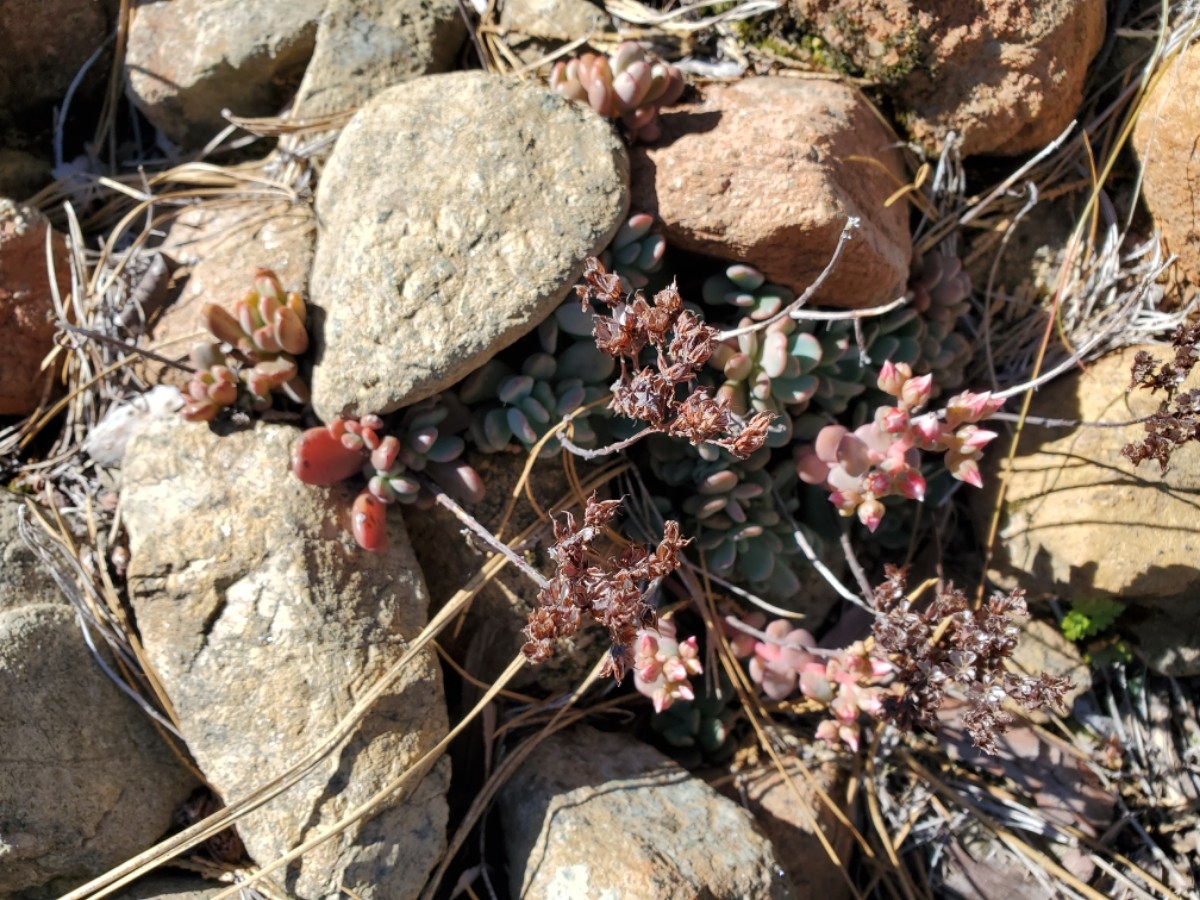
790, 822
430, 262
1007, 76
595, 814
221, 245
26, 304
366, 46
1078, 517
187, 60
767, 171
86, 782
1167, 140
266, 622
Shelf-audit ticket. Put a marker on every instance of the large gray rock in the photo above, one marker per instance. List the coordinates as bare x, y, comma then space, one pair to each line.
456, 212
265, 622
187, 60
23, 578
767, 171
85, 781
593, 814
365, 46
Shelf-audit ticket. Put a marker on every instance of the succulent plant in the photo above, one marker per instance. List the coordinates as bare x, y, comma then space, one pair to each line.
747, 288
769, 371
882, 458
635, 253
699, 732
264, 333
848, 682
326, 455
523, 407
731, 510
940, 290
628, 85
663, 665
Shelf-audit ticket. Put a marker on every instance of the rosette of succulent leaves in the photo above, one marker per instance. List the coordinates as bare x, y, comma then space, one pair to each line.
635, 253
629, 85
796, 368
254, 352
730, 508
426, 443
882, 458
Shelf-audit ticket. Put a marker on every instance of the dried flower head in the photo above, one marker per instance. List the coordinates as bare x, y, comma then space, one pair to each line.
950, 643
612, 590
1177, 420
664, 394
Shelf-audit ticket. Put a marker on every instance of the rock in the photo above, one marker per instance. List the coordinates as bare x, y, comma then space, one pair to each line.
265, 623
429, 262
171, 887
365, 46
1165, 138
222, 245
593, 814
788, 823
534, 28
1078, 517
187, 60
26, 304
24, 580
767, 171
1006, 76
22, 174
553, 20
1167, 636
46, 43
1080, 520
86, 782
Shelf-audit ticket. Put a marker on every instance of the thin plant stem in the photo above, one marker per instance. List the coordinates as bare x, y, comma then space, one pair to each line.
852, 225
444, 500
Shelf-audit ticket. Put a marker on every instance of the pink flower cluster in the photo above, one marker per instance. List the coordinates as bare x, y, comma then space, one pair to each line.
663, 664
847, 681
882, 458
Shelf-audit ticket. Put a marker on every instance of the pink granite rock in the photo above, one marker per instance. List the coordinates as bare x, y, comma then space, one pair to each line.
767, 171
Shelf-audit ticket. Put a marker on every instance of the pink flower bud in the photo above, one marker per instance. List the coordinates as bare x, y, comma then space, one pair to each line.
916, 392
910, 484
927, 430
870, 513
893, 420
969, 407
892, 378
